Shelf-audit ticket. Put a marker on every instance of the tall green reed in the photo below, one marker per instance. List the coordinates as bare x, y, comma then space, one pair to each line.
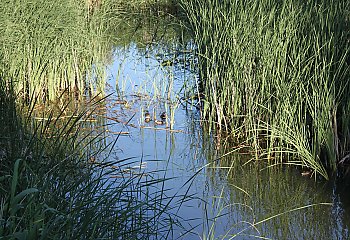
48, 188
52, 46
144, 5
278, 71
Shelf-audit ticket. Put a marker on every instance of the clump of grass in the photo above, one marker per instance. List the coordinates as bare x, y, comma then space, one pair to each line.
53, 46
57, 186
278, 71
146, 5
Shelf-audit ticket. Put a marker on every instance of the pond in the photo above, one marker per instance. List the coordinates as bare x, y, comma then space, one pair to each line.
227, 195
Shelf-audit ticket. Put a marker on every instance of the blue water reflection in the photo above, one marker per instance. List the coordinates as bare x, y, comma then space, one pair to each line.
225, 201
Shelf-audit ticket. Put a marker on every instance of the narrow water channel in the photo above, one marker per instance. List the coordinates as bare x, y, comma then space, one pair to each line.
227, 198
137, 161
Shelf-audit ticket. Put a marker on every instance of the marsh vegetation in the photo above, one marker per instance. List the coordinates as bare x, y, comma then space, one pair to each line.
56, 180
248, 89
275, 74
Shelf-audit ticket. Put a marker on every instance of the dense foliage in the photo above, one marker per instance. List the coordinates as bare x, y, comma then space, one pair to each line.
276, 74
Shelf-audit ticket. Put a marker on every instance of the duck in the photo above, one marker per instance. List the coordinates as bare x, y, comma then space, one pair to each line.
147, 117
163, 115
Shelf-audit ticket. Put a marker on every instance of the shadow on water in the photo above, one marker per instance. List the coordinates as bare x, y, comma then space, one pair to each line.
255, 192
230, 198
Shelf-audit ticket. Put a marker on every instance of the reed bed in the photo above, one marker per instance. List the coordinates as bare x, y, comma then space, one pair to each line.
54, 46
277, 74
146, 5
57, 178
58, 182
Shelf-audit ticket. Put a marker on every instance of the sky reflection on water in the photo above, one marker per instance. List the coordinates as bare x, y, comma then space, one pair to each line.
239, 196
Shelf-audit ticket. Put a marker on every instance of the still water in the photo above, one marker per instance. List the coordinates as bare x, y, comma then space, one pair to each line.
226, 198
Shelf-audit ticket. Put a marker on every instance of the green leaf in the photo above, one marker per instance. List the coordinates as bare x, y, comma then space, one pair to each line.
15, 178
15, 201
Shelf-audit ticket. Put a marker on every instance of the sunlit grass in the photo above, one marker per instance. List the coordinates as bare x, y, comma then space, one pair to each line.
279, 72
48, 47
